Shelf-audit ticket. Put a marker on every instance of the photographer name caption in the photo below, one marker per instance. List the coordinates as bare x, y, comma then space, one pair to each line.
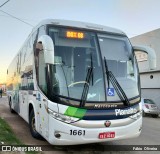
146, 148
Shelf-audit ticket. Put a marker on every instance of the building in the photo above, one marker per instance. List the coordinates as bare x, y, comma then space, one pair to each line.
150, 79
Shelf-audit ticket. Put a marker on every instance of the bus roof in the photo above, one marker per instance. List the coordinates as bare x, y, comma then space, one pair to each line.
79, 24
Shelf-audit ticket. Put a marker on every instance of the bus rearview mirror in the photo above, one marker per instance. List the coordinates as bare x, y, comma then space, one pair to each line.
151, 55
45, 43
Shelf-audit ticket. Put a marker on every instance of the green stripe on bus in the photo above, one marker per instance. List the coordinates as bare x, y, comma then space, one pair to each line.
75, 112
80, 113
70, 111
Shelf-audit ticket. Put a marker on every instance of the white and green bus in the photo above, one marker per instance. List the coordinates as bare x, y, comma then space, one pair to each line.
77, 83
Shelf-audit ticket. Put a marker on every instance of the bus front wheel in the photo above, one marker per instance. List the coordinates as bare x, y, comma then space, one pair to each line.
11, 110
32, 126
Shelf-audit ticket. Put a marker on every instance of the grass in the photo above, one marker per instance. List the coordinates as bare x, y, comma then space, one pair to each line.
7, 136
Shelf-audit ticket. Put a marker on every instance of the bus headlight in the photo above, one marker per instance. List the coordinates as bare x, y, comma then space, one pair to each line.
140, 106
136, 116
62, 117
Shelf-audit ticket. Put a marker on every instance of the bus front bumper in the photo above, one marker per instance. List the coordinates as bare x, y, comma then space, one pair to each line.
61, 133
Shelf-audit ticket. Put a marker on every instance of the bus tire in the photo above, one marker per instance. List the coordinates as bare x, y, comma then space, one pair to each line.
155, 115
32, 126
10, 108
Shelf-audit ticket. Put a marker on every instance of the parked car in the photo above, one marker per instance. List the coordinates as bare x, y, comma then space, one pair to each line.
149, 107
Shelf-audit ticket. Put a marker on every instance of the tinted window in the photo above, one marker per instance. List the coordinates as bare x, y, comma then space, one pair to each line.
75, 53
148, 101
26, 70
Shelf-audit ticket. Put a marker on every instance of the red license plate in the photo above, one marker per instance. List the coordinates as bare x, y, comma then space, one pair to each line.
106, 135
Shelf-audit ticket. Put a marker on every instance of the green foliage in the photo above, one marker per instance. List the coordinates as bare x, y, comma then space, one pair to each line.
7, 137
6, 134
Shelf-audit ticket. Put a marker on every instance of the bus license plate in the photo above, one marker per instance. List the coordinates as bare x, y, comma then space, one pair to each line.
106, 135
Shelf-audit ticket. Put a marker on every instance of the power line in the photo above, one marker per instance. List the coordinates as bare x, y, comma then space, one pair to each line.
4, 3
16, 18
26, 19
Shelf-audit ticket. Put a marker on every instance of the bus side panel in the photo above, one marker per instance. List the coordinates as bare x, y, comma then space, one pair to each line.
23, 104
13, 84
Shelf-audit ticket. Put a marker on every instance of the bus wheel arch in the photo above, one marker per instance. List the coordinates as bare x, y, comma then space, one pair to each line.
32, 123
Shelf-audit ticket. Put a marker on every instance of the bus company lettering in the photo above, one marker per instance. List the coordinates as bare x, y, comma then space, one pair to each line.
125, 112
105, 106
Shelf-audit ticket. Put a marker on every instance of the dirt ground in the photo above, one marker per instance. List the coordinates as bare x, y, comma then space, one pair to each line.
20, 127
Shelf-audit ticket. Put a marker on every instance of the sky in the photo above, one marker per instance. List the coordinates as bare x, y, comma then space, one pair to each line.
134, 17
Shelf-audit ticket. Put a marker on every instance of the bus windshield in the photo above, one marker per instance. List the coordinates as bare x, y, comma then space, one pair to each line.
121, 62
76, 52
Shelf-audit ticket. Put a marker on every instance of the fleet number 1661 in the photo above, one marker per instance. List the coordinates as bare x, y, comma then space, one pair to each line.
77, 132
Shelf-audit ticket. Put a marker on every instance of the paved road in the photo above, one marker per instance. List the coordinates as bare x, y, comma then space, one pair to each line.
150, 135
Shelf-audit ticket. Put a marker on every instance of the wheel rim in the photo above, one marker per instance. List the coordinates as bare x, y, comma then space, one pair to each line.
33, 124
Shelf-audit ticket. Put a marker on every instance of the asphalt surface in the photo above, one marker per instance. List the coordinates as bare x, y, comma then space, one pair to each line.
149, 137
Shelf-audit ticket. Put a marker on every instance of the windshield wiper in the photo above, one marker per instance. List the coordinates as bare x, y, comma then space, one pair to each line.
86, 84
116, 85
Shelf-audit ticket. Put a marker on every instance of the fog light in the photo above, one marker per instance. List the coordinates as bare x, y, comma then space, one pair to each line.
57, 135
136, 116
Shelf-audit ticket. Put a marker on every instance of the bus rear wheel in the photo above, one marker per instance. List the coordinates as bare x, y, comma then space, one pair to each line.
32, 126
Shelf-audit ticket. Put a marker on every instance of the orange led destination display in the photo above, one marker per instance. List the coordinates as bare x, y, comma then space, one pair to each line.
72, 34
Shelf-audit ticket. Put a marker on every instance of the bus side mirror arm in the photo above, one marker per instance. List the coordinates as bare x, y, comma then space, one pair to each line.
45, 43
151, 55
